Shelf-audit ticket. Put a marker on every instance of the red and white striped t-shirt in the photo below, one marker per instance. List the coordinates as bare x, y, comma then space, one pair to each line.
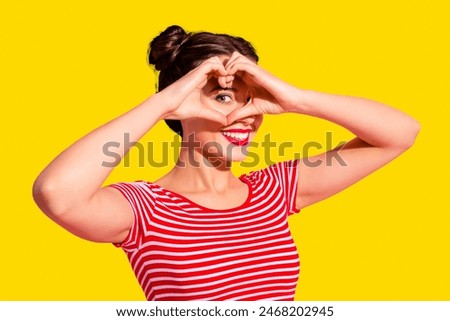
180, 250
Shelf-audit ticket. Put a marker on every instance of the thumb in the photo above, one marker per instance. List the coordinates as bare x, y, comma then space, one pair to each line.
213, 115
241, 113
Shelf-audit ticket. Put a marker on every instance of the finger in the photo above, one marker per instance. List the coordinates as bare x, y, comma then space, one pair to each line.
222, 81
238, 58
235, 58
241, 113
225, 81
229, 78
211, 67
213, 115
218, 63
219, 71
239, 66
255, 77
235, 55
228, 81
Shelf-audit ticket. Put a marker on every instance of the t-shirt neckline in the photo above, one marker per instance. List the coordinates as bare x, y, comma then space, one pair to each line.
243, 178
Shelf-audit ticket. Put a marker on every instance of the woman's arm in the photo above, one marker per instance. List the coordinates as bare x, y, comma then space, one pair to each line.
69, 189
382, 134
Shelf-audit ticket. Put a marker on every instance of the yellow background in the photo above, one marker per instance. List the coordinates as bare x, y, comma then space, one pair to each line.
68, 67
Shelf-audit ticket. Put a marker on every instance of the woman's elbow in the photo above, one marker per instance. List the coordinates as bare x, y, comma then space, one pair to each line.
415, 129
409, 135
47, 197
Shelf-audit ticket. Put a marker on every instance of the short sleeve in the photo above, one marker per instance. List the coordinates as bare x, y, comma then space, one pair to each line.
287, 175
141, 201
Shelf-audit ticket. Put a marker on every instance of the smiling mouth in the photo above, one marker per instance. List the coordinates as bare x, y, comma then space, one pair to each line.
238, 137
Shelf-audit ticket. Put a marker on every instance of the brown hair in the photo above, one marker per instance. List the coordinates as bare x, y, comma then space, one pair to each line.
174, 53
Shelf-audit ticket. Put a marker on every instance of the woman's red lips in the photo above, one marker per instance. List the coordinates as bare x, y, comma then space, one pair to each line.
237, 130
238, 137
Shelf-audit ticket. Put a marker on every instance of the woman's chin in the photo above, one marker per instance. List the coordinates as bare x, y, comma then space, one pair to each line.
236, 157
227, 159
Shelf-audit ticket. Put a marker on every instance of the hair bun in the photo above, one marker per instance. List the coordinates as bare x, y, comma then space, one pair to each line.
164, 48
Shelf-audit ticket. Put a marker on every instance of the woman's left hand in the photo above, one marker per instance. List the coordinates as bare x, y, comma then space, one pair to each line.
269, 94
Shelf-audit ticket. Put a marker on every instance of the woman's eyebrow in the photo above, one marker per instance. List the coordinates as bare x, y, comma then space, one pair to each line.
222, 89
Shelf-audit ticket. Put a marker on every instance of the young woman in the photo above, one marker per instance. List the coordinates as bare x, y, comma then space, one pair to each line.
200, 233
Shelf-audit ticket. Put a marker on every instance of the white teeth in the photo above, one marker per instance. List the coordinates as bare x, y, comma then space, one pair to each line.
239, 136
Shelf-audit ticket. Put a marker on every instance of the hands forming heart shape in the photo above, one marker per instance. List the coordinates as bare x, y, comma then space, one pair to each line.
268, 94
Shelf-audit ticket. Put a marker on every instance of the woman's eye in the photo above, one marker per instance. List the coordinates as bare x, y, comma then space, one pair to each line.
222, 98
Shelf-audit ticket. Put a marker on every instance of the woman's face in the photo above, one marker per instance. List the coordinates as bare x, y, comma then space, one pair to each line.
228, 143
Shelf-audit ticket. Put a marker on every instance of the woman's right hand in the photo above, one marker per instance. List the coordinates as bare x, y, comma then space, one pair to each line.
182, 98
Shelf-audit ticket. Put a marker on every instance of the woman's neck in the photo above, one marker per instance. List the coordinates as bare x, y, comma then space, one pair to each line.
200, 172
196, 172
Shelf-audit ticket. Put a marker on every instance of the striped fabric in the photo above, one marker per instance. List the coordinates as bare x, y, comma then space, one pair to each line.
180, 250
